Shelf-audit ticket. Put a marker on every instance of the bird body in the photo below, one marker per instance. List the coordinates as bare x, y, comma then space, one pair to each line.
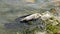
30, 17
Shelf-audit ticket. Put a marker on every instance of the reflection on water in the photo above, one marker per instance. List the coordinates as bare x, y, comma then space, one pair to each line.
10, 11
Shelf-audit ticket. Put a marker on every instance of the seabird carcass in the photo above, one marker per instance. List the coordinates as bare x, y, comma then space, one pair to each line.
31, 17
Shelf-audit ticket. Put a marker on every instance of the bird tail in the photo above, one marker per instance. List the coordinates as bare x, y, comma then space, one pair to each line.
22, 19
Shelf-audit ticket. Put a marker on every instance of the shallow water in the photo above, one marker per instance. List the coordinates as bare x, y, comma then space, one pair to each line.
12, 9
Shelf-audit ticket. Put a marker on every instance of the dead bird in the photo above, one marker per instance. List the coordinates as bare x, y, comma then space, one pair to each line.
31, 17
